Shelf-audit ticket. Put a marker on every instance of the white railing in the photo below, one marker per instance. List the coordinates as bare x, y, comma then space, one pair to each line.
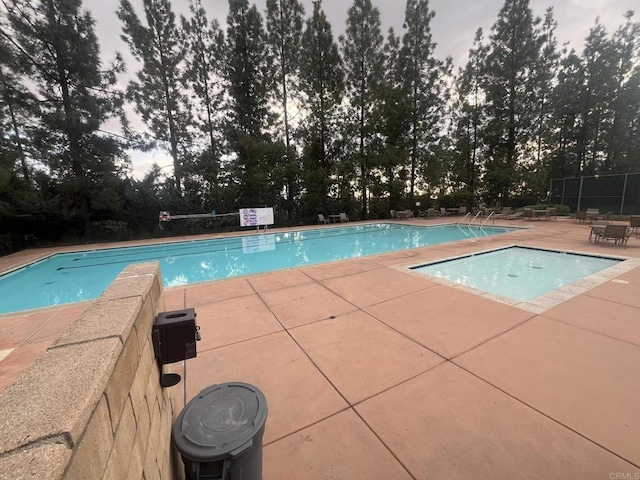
487, 219
462, 220
474, 218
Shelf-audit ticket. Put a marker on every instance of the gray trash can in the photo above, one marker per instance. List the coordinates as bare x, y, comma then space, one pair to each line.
219, 433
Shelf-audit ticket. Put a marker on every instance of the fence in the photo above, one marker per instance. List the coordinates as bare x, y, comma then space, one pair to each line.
618, 194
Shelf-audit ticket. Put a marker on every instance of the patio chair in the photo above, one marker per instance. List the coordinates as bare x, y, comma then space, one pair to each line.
392, 213
581, 216
443, 212
593, 214
322, 219
618, 233
528, 214
597, 229
431, 213
343, 217
552, 212
462, 211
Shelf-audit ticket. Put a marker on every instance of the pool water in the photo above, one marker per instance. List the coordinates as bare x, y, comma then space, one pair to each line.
518, 273
78, 276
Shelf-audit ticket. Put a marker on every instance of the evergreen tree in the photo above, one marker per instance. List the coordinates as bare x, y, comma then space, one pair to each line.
510, 95
566, 99
424, 84
362, 57
284, 19
393, 122
545, 73
247, 82
597, 94
284, 22
470, 117
622, 154
157, 93
204, 59
322, 84
58, 50
15, 115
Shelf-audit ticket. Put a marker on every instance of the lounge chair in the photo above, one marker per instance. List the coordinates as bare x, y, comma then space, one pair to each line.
618, 233
322, 219
634, 224
506, 211
514, 216
343, 217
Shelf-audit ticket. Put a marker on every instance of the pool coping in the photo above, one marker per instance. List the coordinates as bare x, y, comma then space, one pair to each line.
541, 303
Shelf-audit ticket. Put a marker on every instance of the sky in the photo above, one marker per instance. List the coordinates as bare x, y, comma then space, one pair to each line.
453, 30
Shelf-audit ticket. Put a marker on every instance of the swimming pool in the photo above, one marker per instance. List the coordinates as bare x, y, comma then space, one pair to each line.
518, 273
79, 276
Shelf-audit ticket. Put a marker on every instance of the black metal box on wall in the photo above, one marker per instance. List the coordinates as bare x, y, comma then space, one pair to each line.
174, 335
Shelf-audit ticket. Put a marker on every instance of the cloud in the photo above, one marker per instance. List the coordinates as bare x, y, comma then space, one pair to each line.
143, 161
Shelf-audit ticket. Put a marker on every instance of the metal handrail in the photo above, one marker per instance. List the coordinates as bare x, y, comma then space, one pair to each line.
487, 219
479, 212
462, 219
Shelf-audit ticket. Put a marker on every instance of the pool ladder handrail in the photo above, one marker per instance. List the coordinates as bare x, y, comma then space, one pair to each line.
474, 218
487, 219
462, 219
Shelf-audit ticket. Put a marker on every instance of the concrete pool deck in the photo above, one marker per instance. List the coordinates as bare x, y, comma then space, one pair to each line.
372, 372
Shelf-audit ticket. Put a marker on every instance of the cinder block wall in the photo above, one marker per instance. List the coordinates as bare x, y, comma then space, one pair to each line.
92, 407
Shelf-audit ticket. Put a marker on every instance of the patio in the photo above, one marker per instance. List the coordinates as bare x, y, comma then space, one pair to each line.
371, 372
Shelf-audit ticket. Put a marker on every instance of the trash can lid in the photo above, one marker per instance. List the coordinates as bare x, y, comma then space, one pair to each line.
220, 422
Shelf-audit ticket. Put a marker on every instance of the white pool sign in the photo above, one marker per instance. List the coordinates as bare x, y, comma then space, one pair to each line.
256, 217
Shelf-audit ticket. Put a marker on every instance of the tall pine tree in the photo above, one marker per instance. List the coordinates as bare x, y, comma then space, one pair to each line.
322, 84
363, 60
247, 81
16, 115
566, 116
622, 154
157, 92
284, 20
424, 83
393, 122
58, 50
470, 117
510, 95
204, 58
